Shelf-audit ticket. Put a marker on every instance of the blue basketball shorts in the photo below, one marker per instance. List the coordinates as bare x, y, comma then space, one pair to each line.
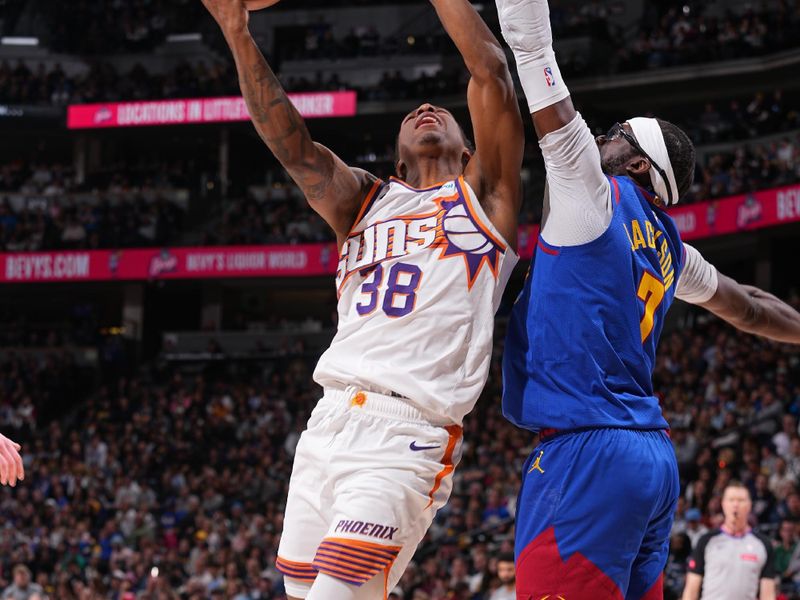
594, 515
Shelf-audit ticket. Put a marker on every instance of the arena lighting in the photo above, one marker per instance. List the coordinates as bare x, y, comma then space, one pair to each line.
19, 41
184, 37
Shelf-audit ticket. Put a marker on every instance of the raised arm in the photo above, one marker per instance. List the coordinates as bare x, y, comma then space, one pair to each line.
526, 28
333, 189
494, 170
578, 205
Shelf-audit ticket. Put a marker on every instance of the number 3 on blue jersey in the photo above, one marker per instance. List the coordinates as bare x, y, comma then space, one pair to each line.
406, 291
651, 292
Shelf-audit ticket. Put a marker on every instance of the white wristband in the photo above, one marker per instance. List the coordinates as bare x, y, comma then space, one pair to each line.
541, 79
526, 29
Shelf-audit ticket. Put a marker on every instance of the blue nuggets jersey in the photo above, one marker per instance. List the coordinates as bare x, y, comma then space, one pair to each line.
582, 337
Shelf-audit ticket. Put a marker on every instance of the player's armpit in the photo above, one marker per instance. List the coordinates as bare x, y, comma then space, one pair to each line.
755, 311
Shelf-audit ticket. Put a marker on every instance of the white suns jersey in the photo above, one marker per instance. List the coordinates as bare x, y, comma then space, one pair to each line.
420, 278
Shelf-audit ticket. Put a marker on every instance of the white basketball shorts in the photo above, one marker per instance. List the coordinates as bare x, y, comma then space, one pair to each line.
369, 474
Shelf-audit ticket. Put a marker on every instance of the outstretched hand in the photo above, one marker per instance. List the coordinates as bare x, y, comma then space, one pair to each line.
231, 15
11, 468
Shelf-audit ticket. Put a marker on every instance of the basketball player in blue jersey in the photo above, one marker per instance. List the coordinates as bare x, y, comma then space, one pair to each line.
599, 492
424, 260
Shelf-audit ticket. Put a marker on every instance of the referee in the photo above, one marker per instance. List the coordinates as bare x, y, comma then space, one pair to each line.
732, 562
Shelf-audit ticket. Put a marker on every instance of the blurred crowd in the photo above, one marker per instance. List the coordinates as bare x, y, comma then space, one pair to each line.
170, 485
670, 34
733, 403
130, 211
116, 25
286, 221
690, 33
174, 488
747, 168
43, 208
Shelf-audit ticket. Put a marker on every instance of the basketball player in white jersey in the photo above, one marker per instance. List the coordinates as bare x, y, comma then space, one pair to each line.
424, 260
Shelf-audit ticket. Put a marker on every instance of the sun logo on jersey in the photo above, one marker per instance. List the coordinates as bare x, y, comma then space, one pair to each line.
454, 228
462, 234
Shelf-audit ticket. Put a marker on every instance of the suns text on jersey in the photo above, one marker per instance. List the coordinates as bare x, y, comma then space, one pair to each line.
389, 239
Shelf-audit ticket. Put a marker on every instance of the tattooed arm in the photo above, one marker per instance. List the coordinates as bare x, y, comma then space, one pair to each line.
333, 189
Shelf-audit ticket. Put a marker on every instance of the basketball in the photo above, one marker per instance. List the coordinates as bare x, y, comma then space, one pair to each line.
259, 4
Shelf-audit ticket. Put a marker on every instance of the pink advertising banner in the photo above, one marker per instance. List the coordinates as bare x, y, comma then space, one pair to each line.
172, 263
734, 214
738, 213
731, 215
200, 110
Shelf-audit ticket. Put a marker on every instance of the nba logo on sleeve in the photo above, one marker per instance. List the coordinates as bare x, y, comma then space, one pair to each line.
548, 77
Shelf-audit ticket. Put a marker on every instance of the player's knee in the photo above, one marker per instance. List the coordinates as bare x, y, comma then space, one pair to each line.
296, 589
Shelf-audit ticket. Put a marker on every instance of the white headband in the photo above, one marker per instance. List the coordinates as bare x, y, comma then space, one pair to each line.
650, 137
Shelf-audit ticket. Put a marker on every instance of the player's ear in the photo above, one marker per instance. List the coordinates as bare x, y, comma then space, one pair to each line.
638, 166
466, 156
401, 169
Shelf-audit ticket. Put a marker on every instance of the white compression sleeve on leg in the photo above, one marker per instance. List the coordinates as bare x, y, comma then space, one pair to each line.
328, 588
526, 29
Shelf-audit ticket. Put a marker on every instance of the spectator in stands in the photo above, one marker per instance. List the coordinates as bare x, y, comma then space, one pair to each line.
160, 494
784, 550
507, 576
695, 529
23, 588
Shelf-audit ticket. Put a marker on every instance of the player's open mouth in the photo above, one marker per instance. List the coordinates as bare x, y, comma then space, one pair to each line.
427, 119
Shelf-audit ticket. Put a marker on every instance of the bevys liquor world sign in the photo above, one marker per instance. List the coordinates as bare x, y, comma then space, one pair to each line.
708, 219
169, 263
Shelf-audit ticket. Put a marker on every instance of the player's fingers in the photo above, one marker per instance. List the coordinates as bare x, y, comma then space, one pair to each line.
20, 465
3, 466
17, 446
11, 467
10, 455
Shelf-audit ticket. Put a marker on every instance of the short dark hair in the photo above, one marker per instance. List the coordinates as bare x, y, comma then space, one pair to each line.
506, 557
681, 154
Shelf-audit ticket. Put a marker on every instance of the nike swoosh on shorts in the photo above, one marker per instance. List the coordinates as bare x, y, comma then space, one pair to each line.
415, 448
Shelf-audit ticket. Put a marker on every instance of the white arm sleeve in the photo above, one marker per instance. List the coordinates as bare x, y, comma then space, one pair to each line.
578, 205
699, 279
